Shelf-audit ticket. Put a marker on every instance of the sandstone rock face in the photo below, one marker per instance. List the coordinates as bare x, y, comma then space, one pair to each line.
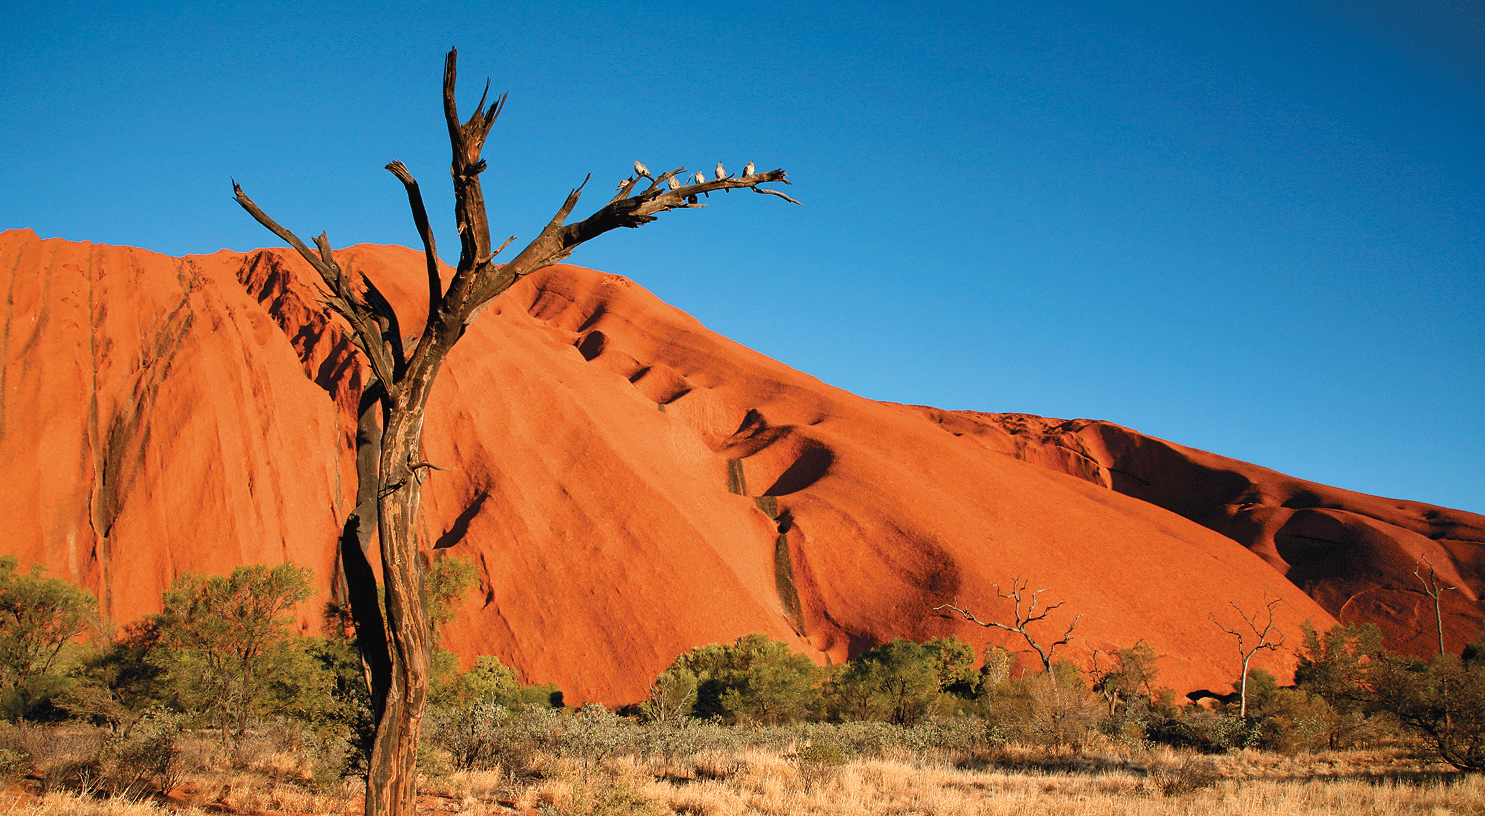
631, 485
1361, 557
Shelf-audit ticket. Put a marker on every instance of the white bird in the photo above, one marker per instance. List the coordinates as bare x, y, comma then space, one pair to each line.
698, 178
642, 171
748, 171
672, 183
721, 174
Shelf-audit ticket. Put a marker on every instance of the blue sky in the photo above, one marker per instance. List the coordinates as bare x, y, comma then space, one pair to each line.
1252, 228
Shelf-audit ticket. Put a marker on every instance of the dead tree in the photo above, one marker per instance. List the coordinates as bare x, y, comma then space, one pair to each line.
1435, 590
1253, 641
1023, 619
396, 647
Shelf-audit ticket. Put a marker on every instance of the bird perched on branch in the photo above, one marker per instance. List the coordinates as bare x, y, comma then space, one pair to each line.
700, 179
748, 171
642, 171
721, 174
672, 183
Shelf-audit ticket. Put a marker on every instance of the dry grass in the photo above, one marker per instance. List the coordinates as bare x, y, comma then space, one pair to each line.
795, 781
870, 787
72, 804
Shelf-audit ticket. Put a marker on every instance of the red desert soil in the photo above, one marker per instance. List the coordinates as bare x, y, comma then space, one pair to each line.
631, 485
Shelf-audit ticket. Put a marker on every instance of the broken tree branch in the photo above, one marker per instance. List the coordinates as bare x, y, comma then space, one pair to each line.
425, 232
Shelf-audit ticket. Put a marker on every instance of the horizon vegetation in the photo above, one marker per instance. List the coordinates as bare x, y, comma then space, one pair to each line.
221, 682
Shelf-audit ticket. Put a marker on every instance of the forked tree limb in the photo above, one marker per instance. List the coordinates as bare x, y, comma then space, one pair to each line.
340, 296
1023, 619
1434, 590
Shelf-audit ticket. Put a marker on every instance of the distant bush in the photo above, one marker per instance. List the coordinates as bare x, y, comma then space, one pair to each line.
1206, 731
902, 681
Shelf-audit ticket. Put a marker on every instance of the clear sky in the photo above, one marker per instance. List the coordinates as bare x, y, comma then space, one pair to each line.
1252, 228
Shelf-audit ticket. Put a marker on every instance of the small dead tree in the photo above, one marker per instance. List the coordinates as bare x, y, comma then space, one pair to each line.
1023, 618
1435, 590
390, 466
1252, 641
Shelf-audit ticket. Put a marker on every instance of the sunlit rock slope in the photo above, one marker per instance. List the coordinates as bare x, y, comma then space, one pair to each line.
631, 485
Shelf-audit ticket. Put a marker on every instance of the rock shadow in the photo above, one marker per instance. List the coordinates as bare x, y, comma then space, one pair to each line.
814, 462
460, 527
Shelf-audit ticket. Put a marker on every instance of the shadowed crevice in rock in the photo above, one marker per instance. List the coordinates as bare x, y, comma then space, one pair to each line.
813, 463
591, 345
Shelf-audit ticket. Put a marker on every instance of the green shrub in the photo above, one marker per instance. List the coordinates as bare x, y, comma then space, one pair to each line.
224, 641
39, 618
754, 680
1294, 720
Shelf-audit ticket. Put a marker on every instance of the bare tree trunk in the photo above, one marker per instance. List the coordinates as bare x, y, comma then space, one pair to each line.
393, 762
397, 650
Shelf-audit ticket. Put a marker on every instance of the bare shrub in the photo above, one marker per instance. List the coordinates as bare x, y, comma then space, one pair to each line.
64, 757
1046, 709
1183, 776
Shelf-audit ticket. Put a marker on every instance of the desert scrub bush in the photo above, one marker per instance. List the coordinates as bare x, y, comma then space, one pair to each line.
594, 733
1293, 720
819, 763
953, 734
473, 737
227, 641
617, 795
39, 618
489, 735
144, 758
754, 680
1203, 730
1053, 709
901, 681
64, 757
1182, 776
824, 753
672, 741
